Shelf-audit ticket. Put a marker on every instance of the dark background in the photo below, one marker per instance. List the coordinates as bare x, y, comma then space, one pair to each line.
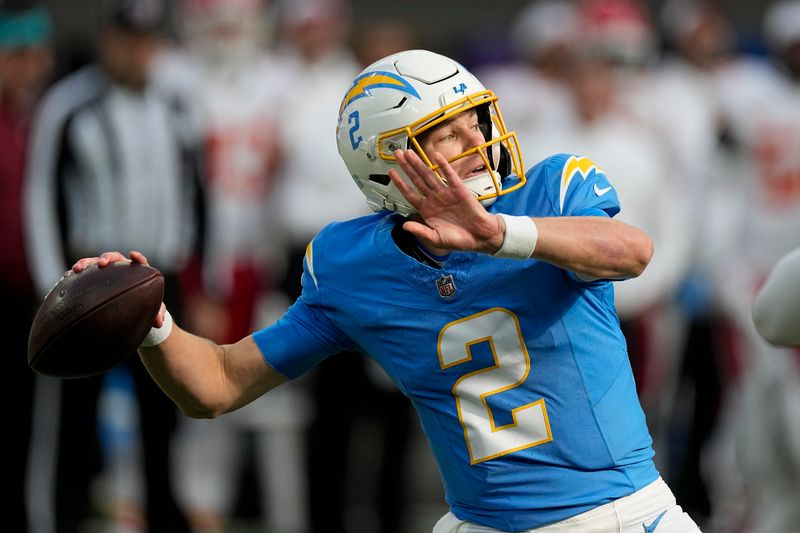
448, 26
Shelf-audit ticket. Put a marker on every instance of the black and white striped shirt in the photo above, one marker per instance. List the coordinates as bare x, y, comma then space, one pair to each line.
110, 169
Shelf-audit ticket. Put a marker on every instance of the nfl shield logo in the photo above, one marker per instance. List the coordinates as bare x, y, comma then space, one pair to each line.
446, 286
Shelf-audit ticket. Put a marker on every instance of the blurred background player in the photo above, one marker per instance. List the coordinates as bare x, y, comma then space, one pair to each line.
238, 89
26, 63
113, 161
376, 38
227, 67
700, 56
764, 121
533, 85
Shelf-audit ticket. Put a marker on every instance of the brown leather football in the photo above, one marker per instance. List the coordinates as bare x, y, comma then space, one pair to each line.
90, 322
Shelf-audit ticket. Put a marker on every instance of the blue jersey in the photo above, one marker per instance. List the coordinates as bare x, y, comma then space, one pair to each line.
517, 368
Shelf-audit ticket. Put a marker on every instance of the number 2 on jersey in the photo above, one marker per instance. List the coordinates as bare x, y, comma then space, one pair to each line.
485, 439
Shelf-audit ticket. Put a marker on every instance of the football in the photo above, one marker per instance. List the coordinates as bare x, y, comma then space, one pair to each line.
92, 321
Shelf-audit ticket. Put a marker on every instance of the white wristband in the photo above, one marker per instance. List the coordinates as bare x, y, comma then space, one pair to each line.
520, 238
158, 335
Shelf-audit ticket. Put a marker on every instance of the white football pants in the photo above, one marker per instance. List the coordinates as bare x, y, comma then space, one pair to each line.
651, 509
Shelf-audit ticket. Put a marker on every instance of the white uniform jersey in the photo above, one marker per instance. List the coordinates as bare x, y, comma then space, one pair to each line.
530, 102
241, 103
762, 108
314, 189
675, 102
240, 108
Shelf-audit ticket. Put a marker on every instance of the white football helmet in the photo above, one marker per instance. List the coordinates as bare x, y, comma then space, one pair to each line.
399, 97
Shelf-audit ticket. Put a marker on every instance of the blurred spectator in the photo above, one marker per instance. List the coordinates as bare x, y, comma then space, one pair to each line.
666, 100
701, 49
760, 104
379, 38
113, 166
619, 30
698, 33
532, 89
317, 61
239, 86
25, 66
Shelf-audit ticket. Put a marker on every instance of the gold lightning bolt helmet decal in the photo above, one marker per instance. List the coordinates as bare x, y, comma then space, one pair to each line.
373, 80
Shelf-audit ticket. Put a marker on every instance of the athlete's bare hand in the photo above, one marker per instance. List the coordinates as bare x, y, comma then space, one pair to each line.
108, 258
450, 216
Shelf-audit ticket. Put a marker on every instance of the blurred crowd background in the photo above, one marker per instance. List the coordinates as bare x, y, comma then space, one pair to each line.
201, 132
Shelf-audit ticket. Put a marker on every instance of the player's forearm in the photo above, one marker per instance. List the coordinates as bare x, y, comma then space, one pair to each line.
189, 370
206, 380
593, 247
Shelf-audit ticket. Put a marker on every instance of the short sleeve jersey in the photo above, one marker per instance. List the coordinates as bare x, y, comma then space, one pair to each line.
517, 369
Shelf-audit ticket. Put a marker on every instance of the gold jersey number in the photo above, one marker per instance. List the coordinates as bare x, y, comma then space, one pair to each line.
485, 439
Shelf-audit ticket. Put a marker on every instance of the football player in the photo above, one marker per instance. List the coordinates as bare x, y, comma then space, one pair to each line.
237, 80
484, 291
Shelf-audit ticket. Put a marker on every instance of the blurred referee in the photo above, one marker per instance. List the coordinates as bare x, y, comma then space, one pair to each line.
114, 164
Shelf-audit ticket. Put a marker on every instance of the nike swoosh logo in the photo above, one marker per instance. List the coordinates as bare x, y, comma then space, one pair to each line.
600, 192
654, 524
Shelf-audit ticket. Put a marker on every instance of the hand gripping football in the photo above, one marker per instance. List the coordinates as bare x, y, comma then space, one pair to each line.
90, 322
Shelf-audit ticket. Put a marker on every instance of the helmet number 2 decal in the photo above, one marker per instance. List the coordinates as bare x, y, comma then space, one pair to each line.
487, 437
354, 123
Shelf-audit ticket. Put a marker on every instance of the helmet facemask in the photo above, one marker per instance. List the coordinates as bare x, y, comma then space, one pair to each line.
500, 151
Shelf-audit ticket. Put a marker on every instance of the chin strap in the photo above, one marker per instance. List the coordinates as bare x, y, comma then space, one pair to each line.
482, 185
